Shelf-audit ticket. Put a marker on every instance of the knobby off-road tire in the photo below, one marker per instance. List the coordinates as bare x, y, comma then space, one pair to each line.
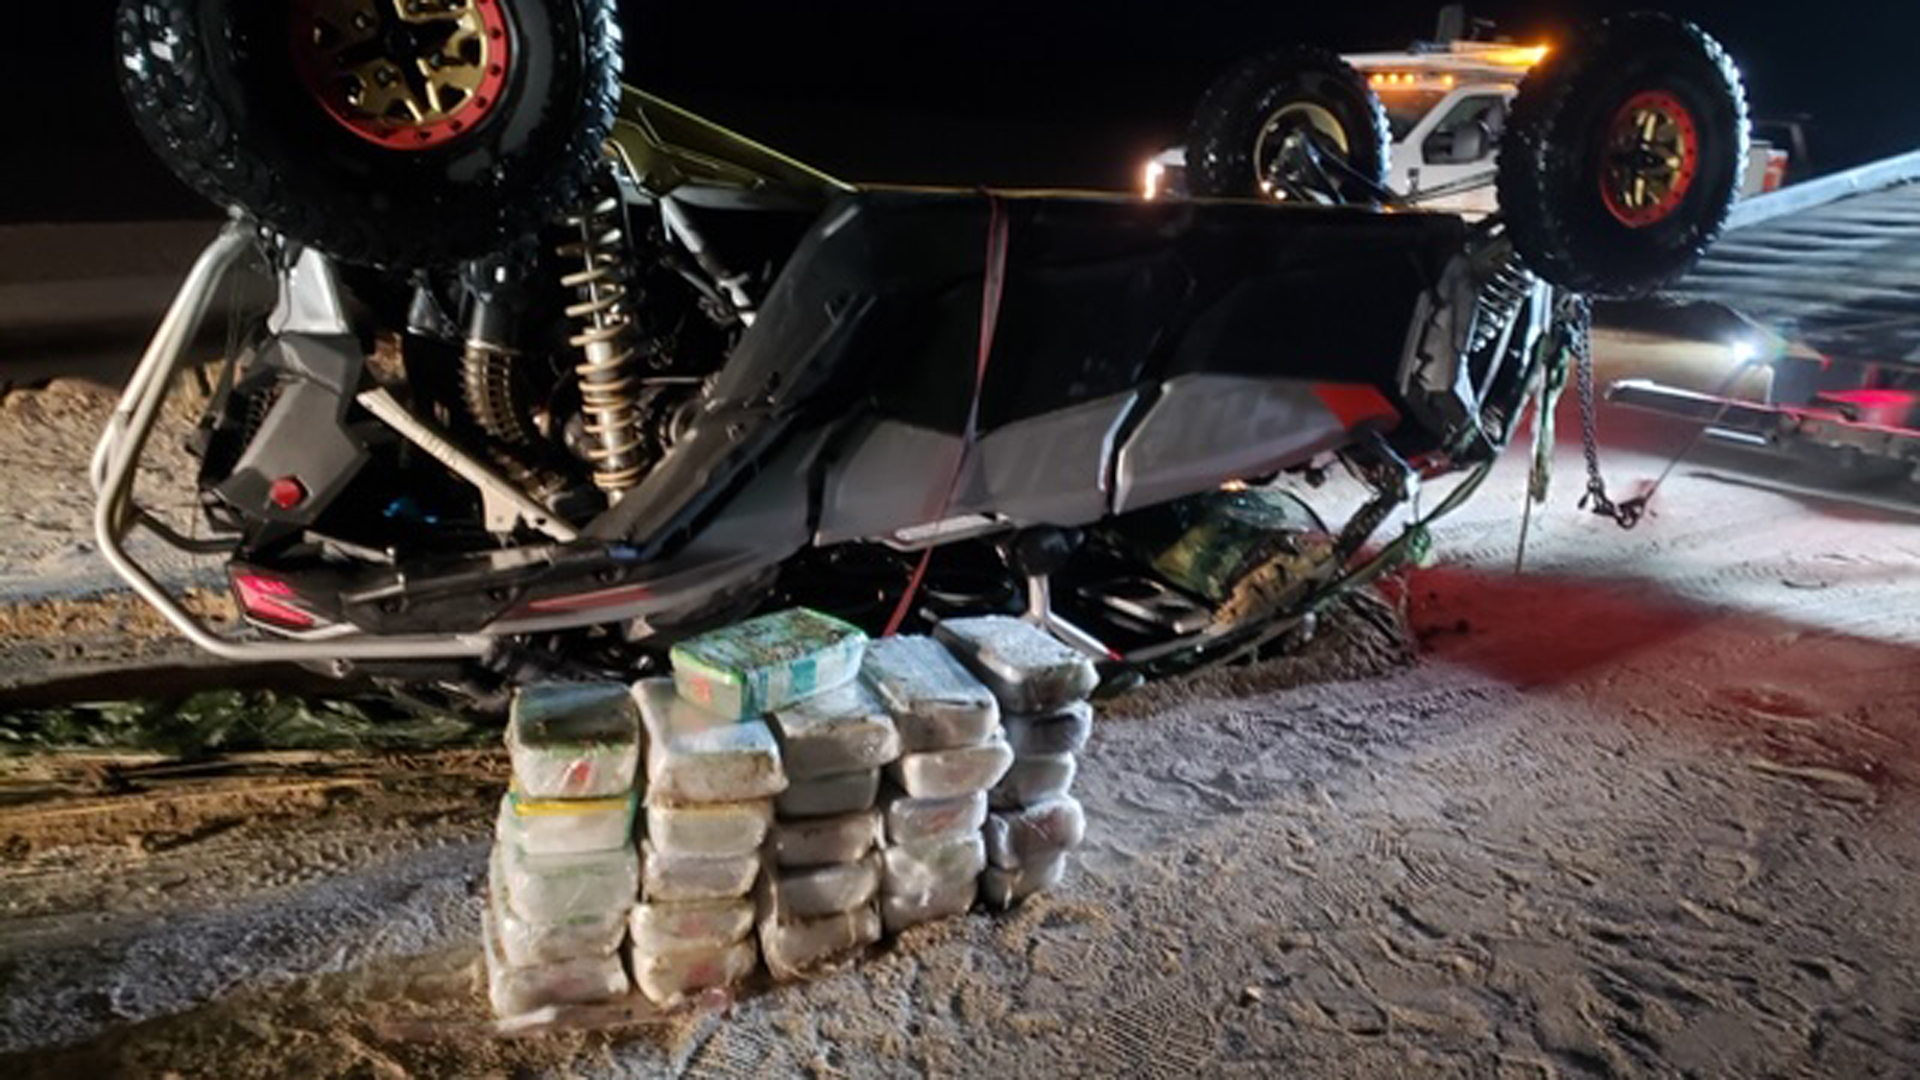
1559, 160
1222, 142
217, 88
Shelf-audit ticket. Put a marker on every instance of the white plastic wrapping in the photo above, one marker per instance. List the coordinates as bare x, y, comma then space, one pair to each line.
940, 774
794, 950
844, 838
567, 886
912, 821
1062, 732
1035, 778
735, 828
841, 731
693, 924
669, 979
1005, 888
566, 826
935, 703
671, 877
932, 866
757, 666
698, 756
1016, 836
525, 943
573, 740
818, 891
516, 991
829, 796
1027, 669
900, 912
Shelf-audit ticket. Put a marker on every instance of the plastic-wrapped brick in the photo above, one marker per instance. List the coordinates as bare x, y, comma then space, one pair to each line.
573, 740
693, 924
1005, 888
797, 949
735, 828
516, 991
821, 841
817, 891
939, 774
1062, 732
901, 912
1027, 669
933, 866
1016, 836
935, 703
525, 943
668, 876
556, 888
694, 755
565, 826
911, 821
754, 667
672, 978
841, 731
829, 796
1035, 778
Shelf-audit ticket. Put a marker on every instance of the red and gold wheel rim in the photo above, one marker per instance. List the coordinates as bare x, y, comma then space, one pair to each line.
1651, 159
405, 74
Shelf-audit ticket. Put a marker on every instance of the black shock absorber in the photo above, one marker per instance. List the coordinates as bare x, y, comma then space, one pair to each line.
609, 387
492, 387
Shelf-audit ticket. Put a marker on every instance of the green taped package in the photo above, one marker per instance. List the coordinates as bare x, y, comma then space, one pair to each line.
752, 668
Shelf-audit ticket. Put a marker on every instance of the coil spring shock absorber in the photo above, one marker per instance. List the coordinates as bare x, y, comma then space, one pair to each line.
1499, 302
608, 387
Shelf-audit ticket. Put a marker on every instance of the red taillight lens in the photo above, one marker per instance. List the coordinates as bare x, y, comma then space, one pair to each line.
265, 598
287, 492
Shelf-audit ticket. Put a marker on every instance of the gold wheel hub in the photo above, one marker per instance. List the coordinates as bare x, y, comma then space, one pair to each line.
1652, 157
408, 74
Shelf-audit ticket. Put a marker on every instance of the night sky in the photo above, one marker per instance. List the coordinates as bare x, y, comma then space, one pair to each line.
1046, 92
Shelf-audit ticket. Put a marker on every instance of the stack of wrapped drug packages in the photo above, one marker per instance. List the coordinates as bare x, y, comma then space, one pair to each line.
952, 752
1041, 686
564, 871
800, 873
819, 900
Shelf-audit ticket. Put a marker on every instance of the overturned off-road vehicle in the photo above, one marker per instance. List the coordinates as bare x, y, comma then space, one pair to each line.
559, 371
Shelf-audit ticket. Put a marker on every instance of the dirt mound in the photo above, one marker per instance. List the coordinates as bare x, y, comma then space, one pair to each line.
1360, 636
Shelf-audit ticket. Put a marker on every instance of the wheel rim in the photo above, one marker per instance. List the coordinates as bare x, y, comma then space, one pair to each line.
1270, 146
406, 74
1652, 157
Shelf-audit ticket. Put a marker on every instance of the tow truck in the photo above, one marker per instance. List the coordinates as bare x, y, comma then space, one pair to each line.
1446, 104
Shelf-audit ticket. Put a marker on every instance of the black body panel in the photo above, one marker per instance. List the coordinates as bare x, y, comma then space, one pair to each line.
881, 303
1107, 294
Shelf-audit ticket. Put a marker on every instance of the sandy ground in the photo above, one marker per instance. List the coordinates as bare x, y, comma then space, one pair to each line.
62, 611
1644, 810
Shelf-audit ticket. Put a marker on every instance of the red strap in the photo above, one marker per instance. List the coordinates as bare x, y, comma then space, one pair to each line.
992, 288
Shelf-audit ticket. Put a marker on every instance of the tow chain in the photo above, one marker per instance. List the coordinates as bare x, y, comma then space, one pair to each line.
1577, 316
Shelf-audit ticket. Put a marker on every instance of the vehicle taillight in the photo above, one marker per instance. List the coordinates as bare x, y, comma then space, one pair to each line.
1776, 177
265, 598
287, 492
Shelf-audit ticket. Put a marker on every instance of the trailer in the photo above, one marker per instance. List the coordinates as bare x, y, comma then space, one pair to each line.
1821, 281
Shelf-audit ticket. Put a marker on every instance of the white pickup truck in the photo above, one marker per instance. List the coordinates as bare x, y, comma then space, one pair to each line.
1446, 107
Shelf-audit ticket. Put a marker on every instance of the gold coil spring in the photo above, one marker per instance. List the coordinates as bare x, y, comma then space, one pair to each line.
608, 399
